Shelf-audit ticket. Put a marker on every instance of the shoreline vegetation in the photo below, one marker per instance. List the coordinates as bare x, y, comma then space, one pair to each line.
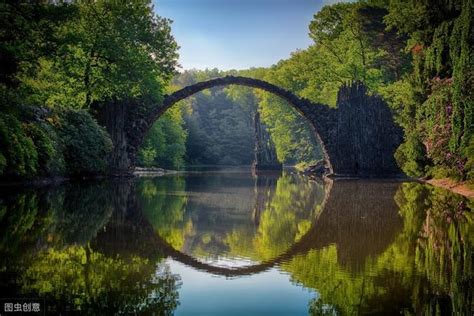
417, 57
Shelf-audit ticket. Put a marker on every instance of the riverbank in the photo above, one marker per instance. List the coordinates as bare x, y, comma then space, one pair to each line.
462, 188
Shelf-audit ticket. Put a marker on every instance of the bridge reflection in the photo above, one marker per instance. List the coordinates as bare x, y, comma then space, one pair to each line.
359, 216
362, 245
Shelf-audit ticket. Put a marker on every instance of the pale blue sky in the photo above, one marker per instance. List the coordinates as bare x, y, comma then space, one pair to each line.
238, 34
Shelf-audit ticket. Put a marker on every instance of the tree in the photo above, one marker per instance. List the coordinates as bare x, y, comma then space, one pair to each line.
68, 55
440, 42
219, 122
165, 144
107, 50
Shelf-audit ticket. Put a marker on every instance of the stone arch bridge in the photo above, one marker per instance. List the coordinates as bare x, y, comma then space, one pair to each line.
359, 136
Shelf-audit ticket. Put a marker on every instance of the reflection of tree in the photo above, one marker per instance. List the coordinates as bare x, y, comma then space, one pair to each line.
45, 251
92, 282
70, 214
213, 216
85, 210
427, 268
421, 265
285, 216
445, 252
29, 220
163, 203
217, 205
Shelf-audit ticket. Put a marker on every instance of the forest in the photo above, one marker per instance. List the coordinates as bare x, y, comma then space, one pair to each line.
58, 59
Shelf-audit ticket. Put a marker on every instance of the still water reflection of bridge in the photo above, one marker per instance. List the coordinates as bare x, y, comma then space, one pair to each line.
358, 246
359, 216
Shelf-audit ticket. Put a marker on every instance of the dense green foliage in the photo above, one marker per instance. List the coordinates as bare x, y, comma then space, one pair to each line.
165, 144
438, 110
219, 122
49, 148
69, 267
211, 127
293, 136
67, 55
85, 143
18, 150
220, 130
68, 142
417, 55
98, 50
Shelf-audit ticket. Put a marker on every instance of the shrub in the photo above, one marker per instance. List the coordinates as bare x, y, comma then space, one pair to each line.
469, 154
86, 144
3, 163
146, 156
20, 157
49, 148
410, 156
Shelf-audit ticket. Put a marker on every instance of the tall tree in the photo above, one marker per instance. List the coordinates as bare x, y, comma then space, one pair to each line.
107, 50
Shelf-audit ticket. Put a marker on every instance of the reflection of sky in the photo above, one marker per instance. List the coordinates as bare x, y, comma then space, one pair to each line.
267, 293
229, 262
237, 34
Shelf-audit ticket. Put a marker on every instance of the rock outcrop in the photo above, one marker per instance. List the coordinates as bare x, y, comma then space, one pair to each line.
318, 170
265, 152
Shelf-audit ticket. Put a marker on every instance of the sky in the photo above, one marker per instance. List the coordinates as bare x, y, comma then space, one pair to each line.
238, 34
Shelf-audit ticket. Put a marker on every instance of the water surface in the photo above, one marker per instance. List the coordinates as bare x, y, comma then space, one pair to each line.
229, 243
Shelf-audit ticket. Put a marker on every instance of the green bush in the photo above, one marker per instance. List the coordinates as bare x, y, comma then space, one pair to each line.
49, 148
3, 163
20, 157
165, 144
469, 154
410, 156
146, 157
86, 144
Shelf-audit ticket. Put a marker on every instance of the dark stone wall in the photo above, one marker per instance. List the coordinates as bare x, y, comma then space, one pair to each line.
365, 137
359, 137
127, 124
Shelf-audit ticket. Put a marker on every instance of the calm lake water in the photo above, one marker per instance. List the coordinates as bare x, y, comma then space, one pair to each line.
228, 243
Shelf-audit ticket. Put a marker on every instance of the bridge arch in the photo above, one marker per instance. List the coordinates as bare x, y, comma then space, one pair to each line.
301, 105
358, 137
